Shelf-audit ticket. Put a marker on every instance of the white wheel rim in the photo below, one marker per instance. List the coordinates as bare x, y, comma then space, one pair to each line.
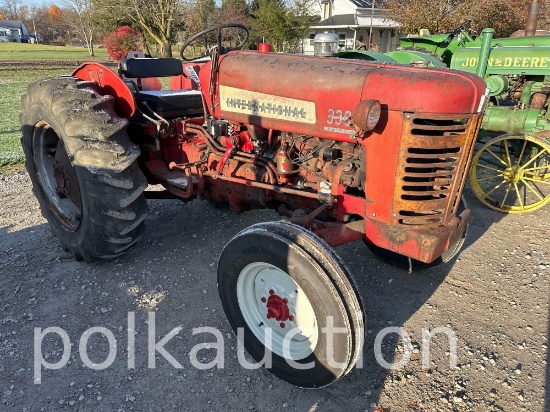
262, 290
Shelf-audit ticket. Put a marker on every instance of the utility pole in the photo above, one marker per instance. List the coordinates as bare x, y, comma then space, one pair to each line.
371, 22
35, 33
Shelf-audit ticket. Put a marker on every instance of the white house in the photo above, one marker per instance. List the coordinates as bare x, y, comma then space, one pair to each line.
15, 29
355, 21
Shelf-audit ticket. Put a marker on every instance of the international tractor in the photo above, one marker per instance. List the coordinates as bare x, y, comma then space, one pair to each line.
347, 150
511, 168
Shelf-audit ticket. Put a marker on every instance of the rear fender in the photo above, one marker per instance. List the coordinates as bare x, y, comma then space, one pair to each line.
109, 83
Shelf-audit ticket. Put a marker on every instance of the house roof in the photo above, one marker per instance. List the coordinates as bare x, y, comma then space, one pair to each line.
338, 20
11, 24
352, 20
362, 3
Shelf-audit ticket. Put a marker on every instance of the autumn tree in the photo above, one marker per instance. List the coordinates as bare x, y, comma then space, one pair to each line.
438, 16
2, 15
121, 41
157, 19
54, 13
442, 16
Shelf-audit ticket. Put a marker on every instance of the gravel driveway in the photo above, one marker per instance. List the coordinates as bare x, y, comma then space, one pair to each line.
495, 298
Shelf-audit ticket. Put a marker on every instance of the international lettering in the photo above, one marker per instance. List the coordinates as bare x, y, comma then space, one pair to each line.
258, 108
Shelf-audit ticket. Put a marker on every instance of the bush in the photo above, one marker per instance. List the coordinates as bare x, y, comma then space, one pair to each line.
121, 41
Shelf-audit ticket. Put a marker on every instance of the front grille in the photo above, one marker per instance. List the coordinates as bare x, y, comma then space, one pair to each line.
434, 156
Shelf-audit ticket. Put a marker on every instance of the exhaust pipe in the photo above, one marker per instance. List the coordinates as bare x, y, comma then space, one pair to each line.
532, 17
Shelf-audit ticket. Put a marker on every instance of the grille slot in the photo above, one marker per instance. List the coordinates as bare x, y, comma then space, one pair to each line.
434, 154
428, 182
438, 127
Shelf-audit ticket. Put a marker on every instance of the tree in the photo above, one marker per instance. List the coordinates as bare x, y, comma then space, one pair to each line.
438, 16
279, 24
2, 15
201, 16
441, 16
121, 41
11, 9
233, 11
80, 15
54, 13
157, 19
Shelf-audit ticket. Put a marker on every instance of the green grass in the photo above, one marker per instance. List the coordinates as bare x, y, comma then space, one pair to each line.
21, 64
13, 84
25, 51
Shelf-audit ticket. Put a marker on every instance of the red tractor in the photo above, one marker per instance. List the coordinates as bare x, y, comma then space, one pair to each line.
348, 150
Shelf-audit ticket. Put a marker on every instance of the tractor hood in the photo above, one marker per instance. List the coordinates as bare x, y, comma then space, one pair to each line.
316, 96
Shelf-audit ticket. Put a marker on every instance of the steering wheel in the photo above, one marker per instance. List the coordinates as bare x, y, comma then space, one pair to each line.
463, 26
218, 28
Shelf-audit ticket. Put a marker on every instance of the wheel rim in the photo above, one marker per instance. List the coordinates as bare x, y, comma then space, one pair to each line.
56, 176
269, 298
512, 174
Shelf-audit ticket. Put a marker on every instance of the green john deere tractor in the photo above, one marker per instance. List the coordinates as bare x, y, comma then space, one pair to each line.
511, 169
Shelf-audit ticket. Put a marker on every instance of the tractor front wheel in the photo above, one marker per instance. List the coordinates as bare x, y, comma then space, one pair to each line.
293, 301
83, 168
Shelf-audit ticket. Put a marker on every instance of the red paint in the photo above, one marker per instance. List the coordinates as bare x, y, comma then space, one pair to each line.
277, 308
282, 324
419, 90
264, 300
264, 48
109, 84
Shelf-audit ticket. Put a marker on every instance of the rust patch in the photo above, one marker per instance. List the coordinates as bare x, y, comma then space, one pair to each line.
434, 157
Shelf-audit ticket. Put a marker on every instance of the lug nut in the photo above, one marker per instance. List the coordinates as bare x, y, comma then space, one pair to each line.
271, 291
282, 325
263, 300
291, 318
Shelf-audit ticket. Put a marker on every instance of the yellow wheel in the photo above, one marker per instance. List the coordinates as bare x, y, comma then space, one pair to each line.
511, 173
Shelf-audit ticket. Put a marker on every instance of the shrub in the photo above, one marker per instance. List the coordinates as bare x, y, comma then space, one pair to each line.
121, 41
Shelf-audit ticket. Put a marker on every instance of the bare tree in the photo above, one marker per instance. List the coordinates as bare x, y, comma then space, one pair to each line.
11, 9
80, 15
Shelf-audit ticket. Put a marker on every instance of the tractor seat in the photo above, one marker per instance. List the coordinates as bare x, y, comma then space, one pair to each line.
163, 102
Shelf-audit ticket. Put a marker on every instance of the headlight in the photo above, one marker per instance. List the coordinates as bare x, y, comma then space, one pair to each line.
367, 114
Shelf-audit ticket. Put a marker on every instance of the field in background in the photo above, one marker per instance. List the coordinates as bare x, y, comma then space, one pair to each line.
25, 51
21, 64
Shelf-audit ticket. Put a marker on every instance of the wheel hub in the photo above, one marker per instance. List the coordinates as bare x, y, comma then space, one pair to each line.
277, 307
513, 174
60, 178
270, 298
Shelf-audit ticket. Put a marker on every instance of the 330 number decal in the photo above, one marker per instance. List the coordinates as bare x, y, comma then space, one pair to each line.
338, 117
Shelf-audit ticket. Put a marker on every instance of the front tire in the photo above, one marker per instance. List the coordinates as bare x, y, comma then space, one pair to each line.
83, 168
281, 277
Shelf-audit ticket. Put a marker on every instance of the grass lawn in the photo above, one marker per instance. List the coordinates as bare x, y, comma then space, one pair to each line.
26, 51
20, 64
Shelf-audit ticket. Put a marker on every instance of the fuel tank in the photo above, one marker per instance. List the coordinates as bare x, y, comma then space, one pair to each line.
316, 96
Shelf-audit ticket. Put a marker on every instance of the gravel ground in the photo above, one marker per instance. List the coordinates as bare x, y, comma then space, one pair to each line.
494, 297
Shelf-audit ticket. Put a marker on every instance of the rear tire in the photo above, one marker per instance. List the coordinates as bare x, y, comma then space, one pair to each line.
263, 272
83, 168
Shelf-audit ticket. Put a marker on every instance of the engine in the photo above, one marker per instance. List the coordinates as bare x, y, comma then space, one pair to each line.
339, 141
